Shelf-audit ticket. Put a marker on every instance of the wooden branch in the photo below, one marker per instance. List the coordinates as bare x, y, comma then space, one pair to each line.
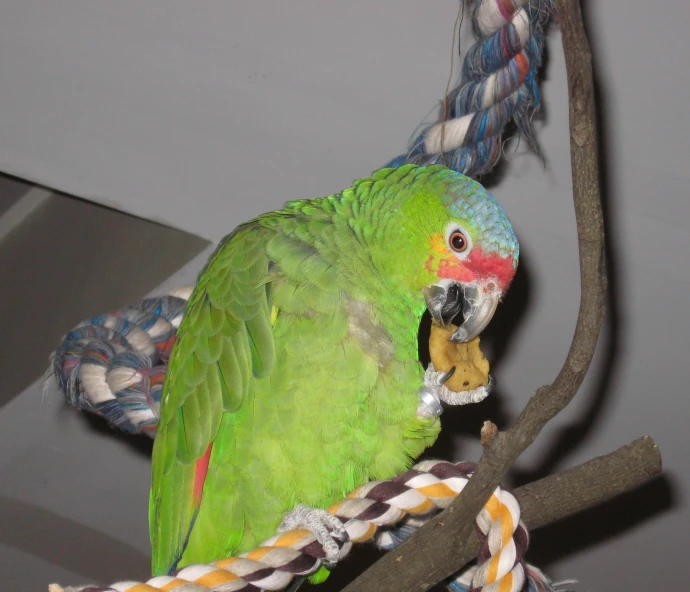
558, 496
438, 550
592, 483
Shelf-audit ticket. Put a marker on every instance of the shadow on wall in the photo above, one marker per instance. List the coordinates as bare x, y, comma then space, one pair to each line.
602, 523
139, 443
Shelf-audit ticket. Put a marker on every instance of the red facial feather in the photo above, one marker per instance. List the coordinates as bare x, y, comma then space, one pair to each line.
451, 268
477, 266
491, 266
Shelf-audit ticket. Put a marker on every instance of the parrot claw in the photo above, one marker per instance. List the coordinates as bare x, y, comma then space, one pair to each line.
327, 529
447, 375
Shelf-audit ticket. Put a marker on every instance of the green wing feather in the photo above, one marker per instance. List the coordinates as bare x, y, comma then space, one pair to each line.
224, 339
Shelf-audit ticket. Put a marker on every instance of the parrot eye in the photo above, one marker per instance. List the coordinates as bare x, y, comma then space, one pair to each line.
457, 241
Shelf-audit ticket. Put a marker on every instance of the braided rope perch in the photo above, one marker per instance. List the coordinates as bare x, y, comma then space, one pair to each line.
367, 514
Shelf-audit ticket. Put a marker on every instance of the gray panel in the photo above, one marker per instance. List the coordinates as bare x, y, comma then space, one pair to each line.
11, 191
69, 260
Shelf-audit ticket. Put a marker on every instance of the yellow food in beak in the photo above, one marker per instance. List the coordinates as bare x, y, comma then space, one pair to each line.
471, 367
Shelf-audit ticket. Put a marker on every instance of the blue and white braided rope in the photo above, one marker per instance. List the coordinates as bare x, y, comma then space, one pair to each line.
498, 85
114, 364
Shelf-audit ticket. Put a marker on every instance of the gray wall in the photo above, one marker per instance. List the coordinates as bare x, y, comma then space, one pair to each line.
204, 117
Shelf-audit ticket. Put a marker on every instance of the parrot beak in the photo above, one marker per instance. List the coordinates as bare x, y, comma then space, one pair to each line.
479, 303
444, 301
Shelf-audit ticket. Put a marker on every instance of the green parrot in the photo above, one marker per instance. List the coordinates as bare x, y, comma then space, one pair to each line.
295, 376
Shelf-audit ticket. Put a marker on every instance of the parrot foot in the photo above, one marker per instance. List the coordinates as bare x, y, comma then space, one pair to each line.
327, 529
434, 391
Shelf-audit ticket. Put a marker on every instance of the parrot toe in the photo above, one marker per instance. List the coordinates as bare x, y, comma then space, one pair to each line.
327, 529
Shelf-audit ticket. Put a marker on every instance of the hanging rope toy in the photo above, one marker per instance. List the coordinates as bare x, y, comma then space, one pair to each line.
498, 84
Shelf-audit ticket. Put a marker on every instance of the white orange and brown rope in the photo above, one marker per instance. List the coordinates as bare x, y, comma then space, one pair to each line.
367, 513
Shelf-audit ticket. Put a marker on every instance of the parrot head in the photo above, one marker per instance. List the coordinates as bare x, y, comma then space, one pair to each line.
452, 241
